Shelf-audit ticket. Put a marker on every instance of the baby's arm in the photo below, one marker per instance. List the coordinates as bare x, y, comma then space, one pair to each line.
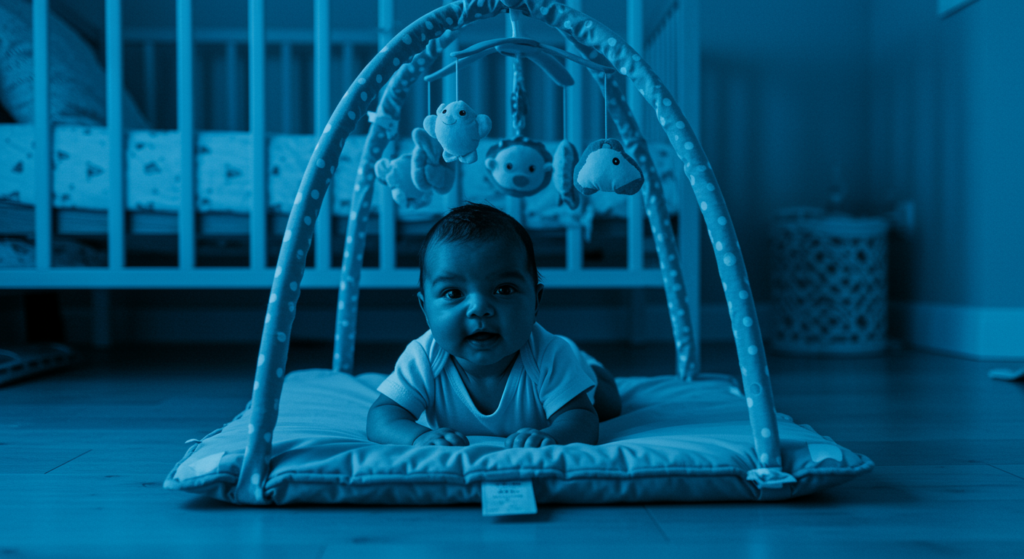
575, 422
389, 423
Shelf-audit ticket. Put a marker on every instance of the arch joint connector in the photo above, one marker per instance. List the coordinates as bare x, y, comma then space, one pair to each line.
769, 478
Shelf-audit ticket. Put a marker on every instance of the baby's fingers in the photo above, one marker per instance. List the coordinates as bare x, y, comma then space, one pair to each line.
519, 438
456, 438
536, 440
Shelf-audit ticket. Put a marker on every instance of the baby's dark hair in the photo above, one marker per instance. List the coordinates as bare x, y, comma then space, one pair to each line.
478, 222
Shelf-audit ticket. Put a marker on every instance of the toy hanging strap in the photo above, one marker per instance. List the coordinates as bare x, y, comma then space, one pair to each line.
565, 113
605, 104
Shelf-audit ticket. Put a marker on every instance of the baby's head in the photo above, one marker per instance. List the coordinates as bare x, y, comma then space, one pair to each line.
479, 286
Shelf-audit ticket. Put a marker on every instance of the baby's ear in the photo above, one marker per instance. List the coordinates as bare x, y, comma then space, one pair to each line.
419, 298
490, 163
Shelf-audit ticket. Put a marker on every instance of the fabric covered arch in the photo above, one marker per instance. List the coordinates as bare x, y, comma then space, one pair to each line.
401, 51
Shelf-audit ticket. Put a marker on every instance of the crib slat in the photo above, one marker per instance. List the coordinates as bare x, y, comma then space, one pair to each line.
258, 134
386, 206
288, 85
231, 84
321, 112
574, 132
634, 205
115, 134
41, 116
149, 75
187, 132
691, 224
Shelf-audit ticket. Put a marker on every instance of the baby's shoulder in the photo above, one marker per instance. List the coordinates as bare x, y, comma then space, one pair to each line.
546, 345
547, 352
425, 355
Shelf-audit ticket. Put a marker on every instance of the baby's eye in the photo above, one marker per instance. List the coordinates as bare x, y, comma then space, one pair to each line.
444, 111
508, 166
505, 290
451, 294
615, 161
531, 168
462, 113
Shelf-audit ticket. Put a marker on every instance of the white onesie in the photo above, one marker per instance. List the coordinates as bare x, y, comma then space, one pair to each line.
549, 371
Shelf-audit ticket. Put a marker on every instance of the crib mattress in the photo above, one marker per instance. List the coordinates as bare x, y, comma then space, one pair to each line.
674, 442
224, 174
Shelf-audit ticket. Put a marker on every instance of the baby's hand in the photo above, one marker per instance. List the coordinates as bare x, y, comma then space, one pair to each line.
529, 438
441, 437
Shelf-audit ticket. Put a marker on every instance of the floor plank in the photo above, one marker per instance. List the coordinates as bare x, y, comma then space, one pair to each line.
83, 454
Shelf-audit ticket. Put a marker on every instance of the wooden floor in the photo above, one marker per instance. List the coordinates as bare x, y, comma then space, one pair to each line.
83, 454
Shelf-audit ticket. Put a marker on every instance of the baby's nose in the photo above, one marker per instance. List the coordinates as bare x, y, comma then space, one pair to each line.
479, 306
520, 180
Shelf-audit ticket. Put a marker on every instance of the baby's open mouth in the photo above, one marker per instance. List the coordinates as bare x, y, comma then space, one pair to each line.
482, 336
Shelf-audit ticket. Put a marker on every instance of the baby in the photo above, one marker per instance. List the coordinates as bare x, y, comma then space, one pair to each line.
486, 367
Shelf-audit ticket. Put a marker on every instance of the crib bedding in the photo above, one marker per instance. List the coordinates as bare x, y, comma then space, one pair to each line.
224, 175
674, 442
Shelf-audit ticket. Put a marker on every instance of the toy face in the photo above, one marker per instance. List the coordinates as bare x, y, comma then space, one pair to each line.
457, 113
519, 169
608, 170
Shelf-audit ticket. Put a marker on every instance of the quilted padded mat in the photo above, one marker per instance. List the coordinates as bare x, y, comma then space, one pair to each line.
674, 442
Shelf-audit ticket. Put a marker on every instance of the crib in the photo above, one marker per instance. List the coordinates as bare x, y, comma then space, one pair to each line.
42, 206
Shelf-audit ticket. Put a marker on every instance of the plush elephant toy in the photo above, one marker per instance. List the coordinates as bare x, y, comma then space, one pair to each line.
606, 166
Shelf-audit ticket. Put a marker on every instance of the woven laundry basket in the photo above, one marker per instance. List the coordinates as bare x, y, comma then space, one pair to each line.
830, 283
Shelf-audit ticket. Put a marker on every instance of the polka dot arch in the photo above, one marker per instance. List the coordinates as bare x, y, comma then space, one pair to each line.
404, 47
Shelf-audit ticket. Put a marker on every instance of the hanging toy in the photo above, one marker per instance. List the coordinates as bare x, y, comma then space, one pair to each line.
459, 129
429, 170
565, 160
397, 175
519, 166
606, 166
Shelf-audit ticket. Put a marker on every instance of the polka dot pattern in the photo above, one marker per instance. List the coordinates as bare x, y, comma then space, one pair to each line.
392, 101
661, 226
592, 37
409, 44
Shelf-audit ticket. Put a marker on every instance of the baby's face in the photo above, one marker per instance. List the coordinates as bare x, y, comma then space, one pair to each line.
479, 300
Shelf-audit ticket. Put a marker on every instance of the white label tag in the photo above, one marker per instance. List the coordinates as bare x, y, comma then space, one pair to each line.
508, 498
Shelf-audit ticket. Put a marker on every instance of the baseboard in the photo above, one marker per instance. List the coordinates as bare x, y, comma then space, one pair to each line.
985, 333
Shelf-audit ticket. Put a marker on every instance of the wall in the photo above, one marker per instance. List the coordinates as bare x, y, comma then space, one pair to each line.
946, 116
785, 100
883, 102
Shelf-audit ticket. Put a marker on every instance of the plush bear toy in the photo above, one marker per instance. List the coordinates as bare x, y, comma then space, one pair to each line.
429, 170
565, 164
397, 175
605, 166
519, 166
458, 128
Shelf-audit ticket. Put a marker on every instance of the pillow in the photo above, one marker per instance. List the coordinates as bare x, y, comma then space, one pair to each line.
77, 80
675, 441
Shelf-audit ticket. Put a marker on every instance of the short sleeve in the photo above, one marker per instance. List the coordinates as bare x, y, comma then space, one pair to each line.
563, 374
411, 384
